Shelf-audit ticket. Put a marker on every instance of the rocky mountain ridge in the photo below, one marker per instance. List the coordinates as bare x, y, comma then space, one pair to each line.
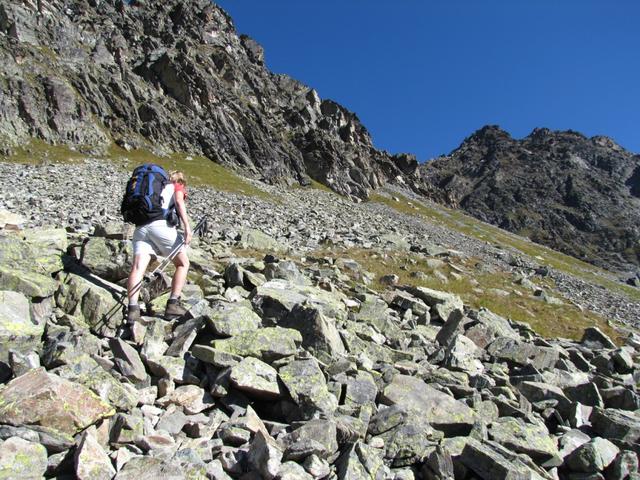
173, 76
577, 195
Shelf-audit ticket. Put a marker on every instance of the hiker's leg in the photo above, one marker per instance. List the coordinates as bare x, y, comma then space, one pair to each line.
181, 261
140, 263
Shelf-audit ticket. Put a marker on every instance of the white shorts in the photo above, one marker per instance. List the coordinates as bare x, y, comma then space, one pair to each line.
156, 238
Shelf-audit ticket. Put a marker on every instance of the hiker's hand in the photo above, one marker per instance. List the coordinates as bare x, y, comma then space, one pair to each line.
188, 235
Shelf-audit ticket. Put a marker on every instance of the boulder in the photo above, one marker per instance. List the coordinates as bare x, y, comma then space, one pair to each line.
489, 461
276, 298
441, 303
440, 410
361, 462
533, 440
40, 398
256, 379
308, 388
593, 338
267, 344
34, 250
17, 331
86, 371
150, 468
265, 455
520, 353
108, 259
255, 239
22, 459
319, 333
128, 361
31, 284
618, 425
229, 319
91, 461
593, 456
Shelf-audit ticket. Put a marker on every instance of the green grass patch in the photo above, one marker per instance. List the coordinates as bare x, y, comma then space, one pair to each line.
456, 220
39, 152
200, 171
479, 289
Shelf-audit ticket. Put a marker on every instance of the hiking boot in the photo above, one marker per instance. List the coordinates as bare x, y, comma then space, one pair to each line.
174, 309
133, 314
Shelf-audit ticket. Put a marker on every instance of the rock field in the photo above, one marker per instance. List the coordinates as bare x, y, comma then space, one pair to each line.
288, 369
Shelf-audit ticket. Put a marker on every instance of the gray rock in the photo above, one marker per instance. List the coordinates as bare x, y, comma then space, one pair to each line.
17, 331
441, 303
361, 462
616, 425
593, 456
307, 386
128, 361
183, 337
228, 320
30, 284
219, 359
533, 440
265, 455
150, 468
276, 298
267, 344
520, 353
256, 379
320, 434
594, 338
293, 471
438, 409
490, 462
91, 461
22, 459
625, 464
40, 398
319, 333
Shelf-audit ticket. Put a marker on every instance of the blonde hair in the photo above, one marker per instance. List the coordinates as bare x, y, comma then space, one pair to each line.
176, 176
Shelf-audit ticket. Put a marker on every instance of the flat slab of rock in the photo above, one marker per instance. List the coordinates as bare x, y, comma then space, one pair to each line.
616, 425
256, 379
533, 440
40, 398
267, 344
440, 410
22, 459
231, 319
490, 462
276, 298
17, 331
150, 468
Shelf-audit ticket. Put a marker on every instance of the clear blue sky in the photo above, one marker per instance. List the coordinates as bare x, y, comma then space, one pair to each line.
424, 74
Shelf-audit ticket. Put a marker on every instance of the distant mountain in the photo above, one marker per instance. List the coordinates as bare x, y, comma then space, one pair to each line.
575, 194
172, 76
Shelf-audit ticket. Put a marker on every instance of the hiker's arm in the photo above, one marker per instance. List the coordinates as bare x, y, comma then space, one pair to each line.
182, 213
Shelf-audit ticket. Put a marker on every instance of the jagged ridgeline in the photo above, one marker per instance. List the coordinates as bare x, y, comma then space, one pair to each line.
578, 195
173, 76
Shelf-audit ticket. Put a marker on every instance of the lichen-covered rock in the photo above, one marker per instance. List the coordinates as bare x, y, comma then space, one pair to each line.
265, 455
31, 284
440, 410
40, 398
492, 462
17, 331
533, 440
108, 259
231, 319
616, 425
593, 456
150, 468
36, 250
256, 379
267, 344
361, 462
86, 371
22, 459
441, 303
276, 298
320, 335
258, 240
308, 388
91, 461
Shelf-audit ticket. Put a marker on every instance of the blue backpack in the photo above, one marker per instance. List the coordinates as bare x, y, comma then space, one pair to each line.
142, 201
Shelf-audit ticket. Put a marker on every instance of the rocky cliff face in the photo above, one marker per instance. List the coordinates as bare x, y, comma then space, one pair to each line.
578, 195
172, 76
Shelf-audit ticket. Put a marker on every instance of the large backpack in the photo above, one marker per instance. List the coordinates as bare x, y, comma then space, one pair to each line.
142, 201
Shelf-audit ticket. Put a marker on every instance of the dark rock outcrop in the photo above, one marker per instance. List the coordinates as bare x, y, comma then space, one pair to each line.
575, 194
173, 76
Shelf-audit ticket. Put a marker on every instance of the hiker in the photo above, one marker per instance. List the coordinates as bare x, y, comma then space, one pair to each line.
158, 235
